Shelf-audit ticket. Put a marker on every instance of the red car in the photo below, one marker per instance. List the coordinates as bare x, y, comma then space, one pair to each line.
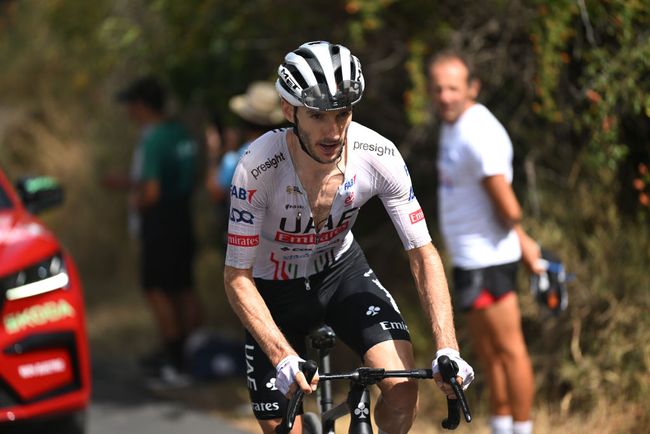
44, 355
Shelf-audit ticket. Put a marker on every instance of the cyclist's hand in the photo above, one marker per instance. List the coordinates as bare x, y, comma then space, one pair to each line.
289, 377
465, 371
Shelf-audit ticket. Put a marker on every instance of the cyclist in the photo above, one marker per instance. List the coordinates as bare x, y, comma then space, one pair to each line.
292, 261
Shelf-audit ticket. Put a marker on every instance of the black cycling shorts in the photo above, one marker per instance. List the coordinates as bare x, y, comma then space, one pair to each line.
347, 296
478, 288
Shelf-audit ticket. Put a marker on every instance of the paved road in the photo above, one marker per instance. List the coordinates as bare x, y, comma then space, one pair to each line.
121, 405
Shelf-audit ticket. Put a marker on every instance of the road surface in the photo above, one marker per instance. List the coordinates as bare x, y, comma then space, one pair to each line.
121, 405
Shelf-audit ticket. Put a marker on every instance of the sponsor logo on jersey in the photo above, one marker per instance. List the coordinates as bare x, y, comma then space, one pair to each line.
265, 406
416, 216
294, 257
348, 184
393, 325
373, 147
411, 194
241, 193
321, 237
270, 163
243, 240
239, 215
289, 206
349, 199
293, 189
297, 234
296, 249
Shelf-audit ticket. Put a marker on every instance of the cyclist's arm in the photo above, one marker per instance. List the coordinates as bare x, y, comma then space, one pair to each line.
252, 311
431, 284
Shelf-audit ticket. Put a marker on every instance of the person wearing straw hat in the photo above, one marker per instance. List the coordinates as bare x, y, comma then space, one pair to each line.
259, 111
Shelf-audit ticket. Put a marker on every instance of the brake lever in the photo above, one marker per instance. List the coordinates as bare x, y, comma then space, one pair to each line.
309, 369
449, 370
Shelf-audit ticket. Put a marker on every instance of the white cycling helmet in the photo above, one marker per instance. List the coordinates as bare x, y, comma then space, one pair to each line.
320, 76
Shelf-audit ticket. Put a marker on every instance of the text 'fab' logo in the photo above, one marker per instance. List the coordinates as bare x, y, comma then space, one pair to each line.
241, 193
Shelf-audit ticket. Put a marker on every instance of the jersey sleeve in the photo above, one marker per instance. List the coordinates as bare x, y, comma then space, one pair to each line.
395, 190
491, 149
247, 209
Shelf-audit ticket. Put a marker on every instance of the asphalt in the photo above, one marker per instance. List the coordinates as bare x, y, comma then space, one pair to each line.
121, 404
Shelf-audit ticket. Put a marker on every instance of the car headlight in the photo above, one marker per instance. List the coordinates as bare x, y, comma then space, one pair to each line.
45, 276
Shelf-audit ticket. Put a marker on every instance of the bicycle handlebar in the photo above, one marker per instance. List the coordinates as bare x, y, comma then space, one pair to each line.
448, 370
367, 376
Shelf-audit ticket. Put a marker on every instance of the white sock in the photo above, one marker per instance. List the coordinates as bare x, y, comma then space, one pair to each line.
501, 424
525, 427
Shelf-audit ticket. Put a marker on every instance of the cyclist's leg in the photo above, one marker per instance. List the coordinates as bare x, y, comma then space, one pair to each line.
267, 402
294, 310
397, 405
366, 318
503, 320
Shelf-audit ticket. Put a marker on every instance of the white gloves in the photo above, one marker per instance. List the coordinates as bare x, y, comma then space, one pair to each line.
465, 371
285, 373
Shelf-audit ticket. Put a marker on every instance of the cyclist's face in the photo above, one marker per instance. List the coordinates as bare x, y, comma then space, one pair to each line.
452, 92
324, 133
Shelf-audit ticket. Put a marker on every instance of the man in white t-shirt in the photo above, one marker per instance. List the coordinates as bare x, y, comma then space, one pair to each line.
480, 221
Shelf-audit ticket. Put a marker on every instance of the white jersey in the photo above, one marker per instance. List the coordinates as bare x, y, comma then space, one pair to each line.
271, 226
474, 147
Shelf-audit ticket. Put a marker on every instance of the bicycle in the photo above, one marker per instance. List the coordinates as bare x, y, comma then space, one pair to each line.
357, 403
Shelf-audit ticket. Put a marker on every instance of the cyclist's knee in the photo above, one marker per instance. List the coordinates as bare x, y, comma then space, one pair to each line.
400, 394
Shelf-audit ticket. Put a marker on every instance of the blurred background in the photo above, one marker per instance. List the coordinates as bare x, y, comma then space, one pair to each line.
570, 80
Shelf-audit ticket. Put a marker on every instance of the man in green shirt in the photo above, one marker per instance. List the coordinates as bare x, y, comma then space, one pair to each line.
162, 181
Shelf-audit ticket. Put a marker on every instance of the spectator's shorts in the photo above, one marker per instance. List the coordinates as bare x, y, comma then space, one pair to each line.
166, 263
347, 296
479, 288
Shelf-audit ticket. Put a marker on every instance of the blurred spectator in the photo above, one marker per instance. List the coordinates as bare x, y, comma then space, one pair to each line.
480, 220
220, 139
259, 111
161, 185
